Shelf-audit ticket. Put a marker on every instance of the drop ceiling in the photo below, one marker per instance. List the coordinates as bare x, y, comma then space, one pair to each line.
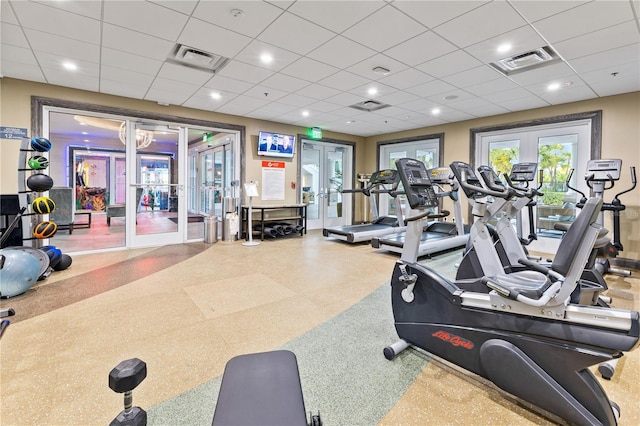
438, 54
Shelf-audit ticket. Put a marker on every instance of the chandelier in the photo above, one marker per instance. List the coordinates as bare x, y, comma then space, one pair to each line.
143, 137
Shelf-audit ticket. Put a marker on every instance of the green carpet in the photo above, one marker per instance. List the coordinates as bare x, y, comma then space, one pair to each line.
343, 372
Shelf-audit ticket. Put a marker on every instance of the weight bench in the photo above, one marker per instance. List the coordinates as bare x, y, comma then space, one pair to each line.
261, 389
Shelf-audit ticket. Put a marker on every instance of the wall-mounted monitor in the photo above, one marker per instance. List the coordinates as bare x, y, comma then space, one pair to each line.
276, 145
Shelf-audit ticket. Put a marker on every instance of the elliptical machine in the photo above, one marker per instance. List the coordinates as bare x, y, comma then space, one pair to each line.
519, 330
600, 176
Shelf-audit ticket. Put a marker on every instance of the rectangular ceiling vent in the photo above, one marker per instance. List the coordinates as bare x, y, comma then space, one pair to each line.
196, 58
369, 105
526, 61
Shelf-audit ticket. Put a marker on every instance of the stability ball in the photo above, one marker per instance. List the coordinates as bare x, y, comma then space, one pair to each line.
20, 270
38, 162
39, 182
40, 144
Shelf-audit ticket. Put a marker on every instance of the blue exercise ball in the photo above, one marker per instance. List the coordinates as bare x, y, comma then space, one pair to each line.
40, 144
20, 270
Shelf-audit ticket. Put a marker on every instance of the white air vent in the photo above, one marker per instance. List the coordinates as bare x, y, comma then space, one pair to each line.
528, 60
369, 105
196, 58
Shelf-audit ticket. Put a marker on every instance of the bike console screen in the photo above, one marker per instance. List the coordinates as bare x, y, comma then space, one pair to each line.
416, 183
523, 172
467, 179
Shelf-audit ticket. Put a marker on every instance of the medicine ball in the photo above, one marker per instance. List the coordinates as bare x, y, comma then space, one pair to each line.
39, 182
64, 263
40, 144
43, 205
45, 229
38, 162
20, 270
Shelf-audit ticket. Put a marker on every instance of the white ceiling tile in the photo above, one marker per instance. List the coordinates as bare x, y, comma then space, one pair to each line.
489, 87
317, 91
478, 107
421, 48
343, 81
604, 83
524, 104
181, 73
521, 40
264, 92
599, 41
420, 105
133, 42
245, 72
6, 14
296, 100
202, 99
254, 50
175, 87
365, 67
341, 52
18, 55
607, 60
308, 35
128, 61
323, 106
577, 92
449, 115
285, 83
164, 96
544, 75
309, 69
166, 23
183, 6
396, 98
449, 64
51, 62
125, 76
231, 85
485, 22
12, 35
384, 28
257, 15
477, 75
584, 19
499, 97
380, 90
345, 99
455, 95
123, 88
90, 9
405, 79
336, 16
435, 12
64, 48
282, 4
19, 70
76, 81
212, 39
532, 10
55, 21
432, 88
274, 109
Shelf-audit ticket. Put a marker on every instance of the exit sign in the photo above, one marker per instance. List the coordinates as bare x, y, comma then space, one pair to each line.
315, 133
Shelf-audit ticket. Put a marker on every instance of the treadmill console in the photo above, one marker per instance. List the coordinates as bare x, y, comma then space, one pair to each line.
416, 183
440, 175
383, 177
603, 170
467, 179
523, 172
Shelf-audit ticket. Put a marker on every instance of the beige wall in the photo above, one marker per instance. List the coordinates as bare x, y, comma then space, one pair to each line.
15, 111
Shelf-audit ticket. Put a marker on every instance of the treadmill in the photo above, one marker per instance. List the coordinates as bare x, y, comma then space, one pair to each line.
437, 236
382, 182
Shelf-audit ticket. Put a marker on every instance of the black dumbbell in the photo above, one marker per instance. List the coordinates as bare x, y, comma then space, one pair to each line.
123, 379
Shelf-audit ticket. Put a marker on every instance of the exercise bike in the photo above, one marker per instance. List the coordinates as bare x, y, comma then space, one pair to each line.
520, 330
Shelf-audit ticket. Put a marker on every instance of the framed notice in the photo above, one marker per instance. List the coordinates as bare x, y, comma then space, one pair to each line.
272, 180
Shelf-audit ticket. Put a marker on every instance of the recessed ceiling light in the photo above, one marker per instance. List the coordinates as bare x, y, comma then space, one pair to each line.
85, 133
305, 113
216, 95
351, 121
83, 124
435, 111
69, 66
504, 48
86, 140
553, 86
381, 70
372, 91
266, 58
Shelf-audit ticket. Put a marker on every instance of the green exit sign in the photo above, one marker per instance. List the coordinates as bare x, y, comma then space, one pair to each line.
315, 133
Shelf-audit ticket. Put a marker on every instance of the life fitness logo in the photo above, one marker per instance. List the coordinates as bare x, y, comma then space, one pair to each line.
273, 164
453, 339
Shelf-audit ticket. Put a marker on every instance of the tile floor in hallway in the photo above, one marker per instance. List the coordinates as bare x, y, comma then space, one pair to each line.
187, 309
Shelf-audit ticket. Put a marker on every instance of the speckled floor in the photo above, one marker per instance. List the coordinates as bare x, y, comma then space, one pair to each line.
186, 310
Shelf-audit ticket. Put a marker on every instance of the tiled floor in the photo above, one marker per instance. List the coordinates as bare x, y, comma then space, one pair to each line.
187, 309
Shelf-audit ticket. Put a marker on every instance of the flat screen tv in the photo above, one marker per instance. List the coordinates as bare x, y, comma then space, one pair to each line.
276, 145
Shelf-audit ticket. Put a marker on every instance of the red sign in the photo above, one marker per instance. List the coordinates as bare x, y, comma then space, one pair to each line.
453, 339
273, 164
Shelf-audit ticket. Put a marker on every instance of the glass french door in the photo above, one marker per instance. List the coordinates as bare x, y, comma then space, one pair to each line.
556, 149
325, 170
156, 211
